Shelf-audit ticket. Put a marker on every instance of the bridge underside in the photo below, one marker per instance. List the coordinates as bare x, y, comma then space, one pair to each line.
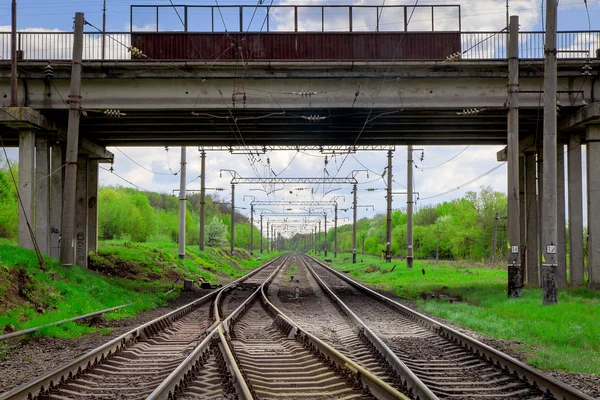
330, 127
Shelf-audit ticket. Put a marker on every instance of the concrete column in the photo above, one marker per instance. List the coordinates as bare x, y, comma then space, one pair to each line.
561, 269
531, 220
42, 194
26, 187
81, 212
514, 230
56, 198
522, 218
593, 203
575, 210
93, 206
540, 198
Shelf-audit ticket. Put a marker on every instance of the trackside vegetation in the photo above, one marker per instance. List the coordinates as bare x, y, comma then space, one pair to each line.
121, 273
562, 337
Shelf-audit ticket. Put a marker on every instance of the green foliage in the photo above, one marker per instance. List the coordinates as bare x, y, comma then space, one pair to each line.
216, 233
484, 307
457, 229
8, 203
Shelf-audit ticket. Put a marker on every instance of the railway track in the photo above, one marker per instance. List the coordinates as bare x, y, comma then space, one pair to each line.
134, 364
450, 364
266, 355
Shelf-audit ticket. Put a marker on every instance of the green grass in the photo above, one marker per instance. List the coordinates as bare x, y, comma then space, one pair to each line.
61, 293
564, 337
130, 273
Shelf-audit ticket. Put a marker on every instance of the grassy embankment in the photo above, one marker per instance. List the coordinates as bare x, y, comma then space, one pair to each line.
124, 273
560, 337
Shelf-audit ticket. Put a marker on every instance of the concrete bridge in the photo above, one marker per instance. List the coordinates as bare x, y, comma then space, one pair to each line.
299, 102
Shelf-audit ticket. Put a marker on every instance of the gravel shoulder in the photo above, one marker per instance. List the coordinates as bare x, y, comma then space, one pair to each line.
586, 383
26, 358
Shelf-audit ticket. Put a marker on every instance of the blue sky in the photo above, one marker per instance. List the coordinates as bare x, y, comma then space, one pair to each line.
486, 15
58, 14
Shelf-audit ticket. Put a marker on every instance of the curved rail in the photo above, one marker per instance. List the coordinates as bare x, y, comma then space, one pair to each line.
413, 384
184, 374
547, 384
61, 375
365, 378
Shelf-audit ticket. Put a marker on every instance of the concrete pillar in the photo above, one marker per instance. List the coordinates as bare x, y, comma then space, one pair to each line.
42, 194
56, 198
575, 210
81, 212
26, 187
93, 206
531, 220
540, 208
561, 269
522, 218
593, 203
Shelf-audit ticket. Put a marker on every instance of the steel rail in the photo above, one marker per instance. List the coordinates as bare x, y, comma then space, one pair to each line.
375, 385
32, 330
189, 368
414, 385
43, 384
547, 384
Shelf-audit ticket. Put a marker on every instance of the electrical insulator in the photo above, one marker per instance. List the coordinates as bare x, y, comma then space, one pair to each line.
49, 72
586, 69
135, 51
113, 113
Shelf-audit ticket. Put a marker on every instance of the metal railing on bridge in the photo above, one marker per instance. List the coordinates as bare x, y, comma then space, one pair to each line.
46, 46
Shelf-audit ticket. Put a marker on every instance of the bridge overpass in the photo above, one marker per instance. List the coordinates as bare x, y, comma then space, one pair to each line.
293, 101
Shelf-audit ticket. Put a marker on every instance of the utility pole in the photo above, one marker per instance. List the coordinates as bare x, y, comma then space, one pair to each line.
319, 238
409, 208
202, 197
182, 203
69, 192
232, 219
363, 245
268, 243
103, 28
354, 224
388, 245
514, 216
251, 228
335, 242
14, 100
316, 240
494, 236
261, 234
549, 233
325, 242
437, 246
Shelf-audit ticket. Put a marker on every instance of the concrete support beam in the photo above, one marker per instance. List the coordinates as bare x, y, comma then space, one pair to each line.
56, 199
531, 220
26, 186
540, 204
561, 270
42, 194
575, 210
593, 203
81, 212
92, 203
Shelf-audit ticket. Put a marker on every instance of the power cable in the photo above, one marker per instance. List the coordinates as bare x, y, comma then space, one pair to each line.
120, 177
445, 162
148, 169
464, 184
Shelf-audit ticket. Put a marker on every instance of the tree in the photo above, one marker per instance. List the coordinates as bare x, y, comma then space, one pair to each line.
216, 233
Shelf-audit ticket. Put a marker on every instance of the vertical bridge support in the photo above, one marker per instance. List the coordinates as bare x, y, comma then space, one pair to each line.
575, 210
514, 230
593, 203
42, 194
26, 187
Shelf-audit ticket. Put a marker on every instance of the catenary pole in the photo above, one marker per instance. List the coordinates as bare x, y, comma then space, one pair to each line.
232, 219
335, 241
182, 203
67, 254
388, 235
409, 208
354, 224
202, 198
514, 227
14, 101
549, 233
